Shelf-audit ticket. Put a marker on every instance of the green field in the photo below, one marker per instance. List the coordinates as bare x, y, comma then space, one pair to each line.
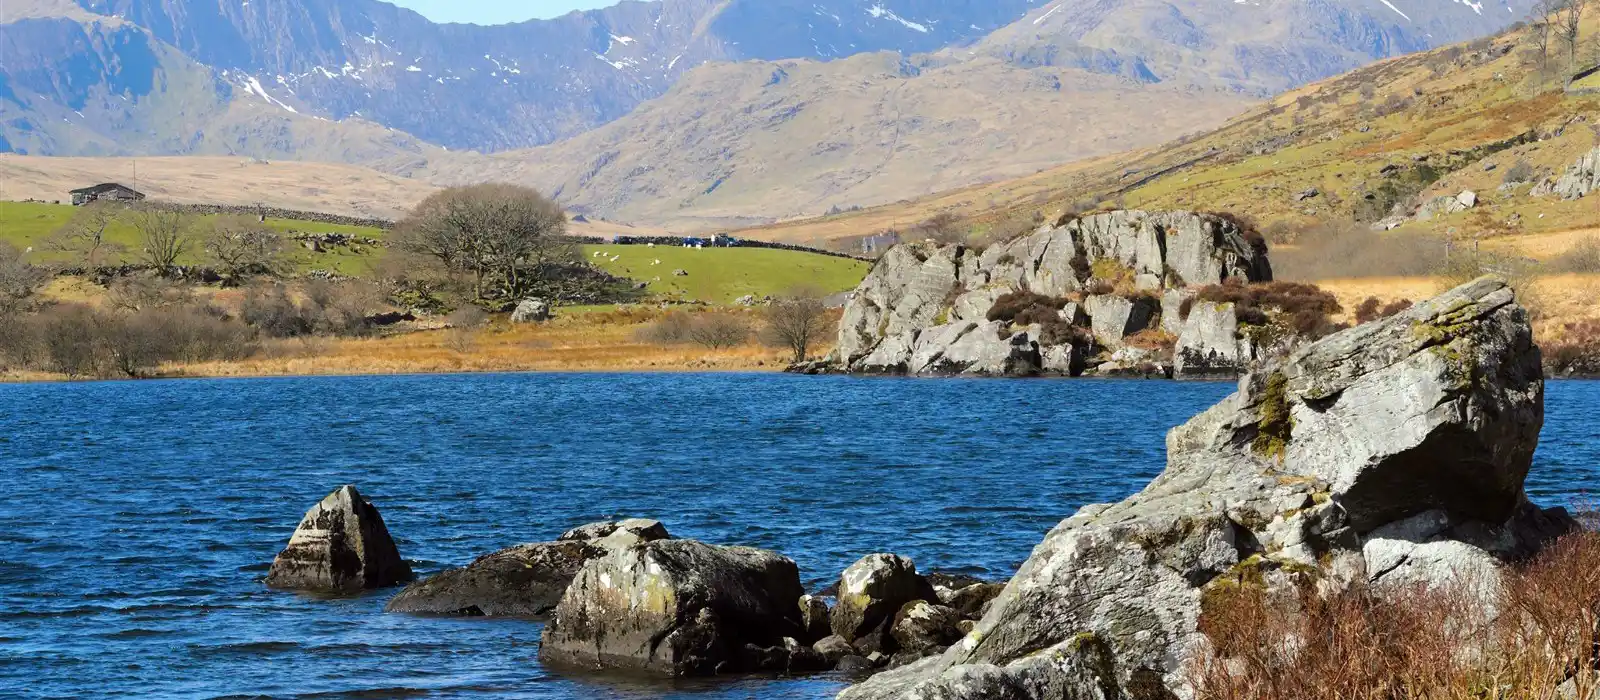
716, 275
721, 275
27, 224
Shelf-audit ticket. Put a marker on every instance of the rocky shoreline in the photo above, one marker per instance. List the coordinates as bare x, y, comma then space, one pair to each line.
1387, 456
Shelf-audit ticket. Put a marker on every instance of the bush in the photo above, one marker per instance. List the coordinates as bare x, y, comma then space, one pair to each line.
1410, 642
1520, 172
143, 292
1373, 309
1013, 304
329, 308
464, 325
1573, 349
80, 341
19, 281
1334, 250
718, 331
1303, 308
269, 309
1582, 258
670, 329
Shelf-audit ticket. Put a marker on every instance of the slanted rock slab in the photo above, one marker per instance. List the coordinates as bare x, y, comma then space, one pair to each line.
341, 545
522, 581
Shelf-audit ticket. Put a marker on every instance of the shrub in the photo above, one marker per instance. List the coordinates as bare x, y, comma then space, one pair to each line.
1373, 309
670, 329
80, 341
1013, 304
66, 338
1335, 250
464, 325
1520, 172
143, 292
1582, 258
1303, 308
943, 228
718, 331
270, 309
19, 281
1573, 349
1395, 642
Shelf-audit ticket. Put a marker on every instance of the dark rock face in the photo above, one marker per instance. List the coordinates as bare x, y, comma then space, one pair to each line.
522, 581
679, 608
1391, 452
921, 626
341, 545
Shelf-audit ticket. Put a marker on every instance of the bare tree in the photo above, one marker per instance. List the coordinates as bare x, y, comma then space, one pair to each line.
796, 322
165, 235
19, 281
241, 246
504, 236
1569, 25
1541, 32
719, 331
84, 235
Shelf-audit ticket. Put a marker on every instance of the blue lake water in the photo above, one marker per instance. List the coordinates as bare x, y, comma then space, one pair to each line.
139, 517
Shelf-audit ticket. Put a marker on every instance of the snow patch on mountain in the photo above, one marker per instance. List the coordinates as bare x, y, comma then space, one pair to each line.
881, 12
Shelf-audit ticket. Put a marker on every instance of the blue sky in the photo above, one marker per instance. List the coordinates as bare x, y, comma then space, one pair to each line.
497, 11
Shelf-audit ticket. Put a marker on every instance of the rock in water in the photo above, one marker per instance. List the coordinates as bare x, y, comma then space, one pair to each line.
341, 545
522, 581
679, 608
871, 592
1397, 448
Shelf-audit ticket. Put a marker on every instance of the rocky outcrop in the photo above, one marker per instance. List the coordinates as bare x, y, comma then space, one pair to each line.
925, 307
341, 545
522, 581
1445, 205
1581, 178
681, 608
1395, 450
1209, 344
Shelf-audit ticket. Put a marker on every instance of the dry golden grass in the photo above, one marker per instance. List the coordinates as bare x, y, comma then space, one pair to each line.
582, 342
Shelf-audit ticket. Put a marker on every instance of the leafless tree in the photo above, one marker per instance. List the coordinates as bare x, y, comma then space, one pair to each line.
943, 227
797, 321
19, 280
505, 236
165, 236
1541, 32
719, 331
1569, 25
241, 246
84, 235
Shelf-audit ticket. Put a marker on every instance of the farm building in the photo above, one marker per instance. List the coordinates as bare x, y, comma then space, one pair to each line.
107, 192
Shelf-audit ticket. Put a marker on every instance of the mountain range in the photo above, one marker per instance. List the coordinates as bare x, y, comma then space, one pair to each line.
695, 112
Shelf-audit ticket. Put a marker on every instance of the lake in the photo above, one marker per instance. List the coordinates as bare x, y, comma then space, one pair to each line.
142, 516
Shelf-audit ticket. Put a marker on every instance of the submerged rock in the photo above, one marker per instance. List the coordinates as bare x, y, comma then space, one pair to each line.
1394, 449
341, 545
522, 581
678, 608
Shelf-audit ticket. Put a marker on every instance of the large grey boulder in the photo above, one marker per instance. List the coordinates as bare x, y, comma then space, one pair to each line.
1209, 344
679, 608
522, 581
341, 545
1113, 318
1313, 468
918, 286
531, 311
871, 592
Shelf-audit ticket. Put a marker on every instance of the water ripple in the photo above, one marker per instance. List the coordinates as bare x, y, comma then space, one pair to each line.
140, 517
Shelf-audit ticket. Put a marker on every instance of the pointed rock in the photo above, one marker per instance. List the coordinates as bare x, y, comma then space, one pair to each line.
340, 545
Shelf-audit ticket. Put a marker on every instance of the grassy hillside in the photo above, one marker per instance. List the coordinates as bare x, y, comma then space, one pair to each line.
716, 275
721, 275
1459, 117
